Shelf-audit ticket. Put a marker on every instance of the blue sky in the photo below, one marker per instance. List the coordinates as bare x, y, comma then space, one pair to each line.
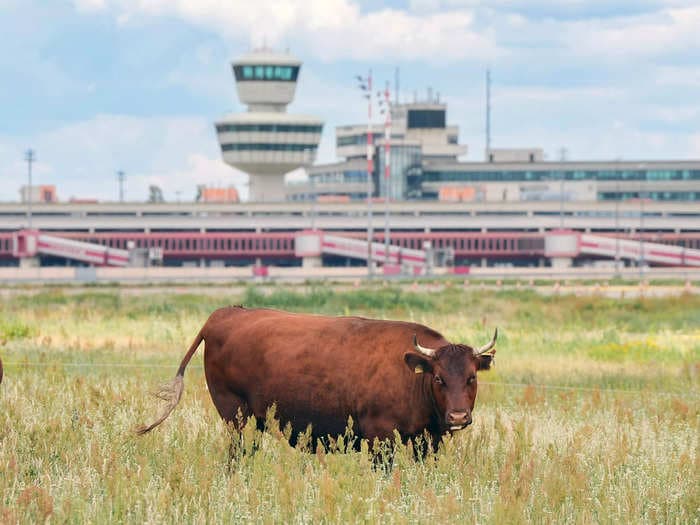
100, 85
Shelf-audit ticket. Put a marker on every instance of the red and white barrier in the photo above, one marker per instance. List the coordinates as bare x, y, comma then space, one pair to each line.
314, 243
28, 243
648, 251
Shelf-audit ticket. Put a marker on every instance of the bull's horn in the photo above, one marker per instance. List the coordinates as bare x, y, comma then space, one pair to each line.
423, 350
488, 346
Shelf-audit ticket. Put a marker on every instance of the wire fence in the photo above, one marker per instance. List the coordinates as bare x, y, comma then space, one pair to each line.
543, 386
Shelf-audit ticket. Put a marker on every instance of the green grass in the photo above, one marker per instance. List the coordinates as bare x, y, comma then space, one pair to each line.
591, 415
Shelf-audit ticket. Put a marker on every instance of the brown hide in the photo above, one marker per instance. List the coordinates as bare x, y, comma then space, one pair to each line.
318, 370
321, 370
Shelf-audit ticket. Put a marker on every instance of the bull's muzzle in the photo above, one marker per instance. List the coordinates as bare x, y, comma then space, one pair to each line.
457, 419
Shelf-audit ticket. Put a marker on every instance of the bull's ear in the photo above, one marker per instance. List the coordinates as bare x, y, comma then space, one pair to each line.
417, 363
484, 361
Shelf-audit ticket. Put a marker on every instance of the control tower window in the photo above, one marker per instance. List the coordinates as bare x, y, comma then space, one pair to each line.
268, 72
426, 118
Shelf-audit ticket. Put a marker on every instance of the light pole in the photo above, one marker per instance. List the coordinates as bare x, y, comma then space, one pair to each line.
121, 177
365, 84
562, 173
30, 157
641, 228
312, 183
385, 106
617, 225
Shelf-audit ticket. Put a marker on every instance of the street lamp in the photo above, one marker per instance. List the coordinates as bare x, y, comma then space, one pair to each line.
121, 178
562, 176
641, 229
365, 84
618, 197
30, 157
385, 109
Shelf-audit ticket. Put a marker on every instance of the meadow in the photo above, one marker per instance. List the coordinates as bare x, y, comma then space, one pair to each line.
591, 415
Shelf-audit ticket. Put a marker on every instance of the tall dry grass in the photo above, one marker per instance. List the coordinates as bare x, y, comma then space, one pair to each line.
592, 415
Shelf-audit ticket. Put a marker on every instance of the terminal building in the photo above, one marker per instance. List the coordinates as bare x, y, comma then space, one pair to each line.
502, 211
267, 142
425, 165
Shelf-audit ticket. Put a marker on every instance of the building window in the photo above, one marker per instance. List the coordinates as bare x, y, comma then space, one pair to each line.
357, 140
554, 174
270, 128
274, 73
426, 118
256, 146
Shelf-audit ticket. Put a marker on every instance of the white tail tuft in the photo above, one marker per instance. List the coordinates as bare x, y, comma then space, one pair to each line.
171, 394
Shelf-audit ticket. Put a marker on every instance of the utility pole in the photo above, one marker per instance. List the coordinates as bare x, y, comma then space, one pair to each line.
121, 177
562, 159
488, 114
312, 183
641, 229
386, 109
30, 157
617, 225
366, 86
396, 86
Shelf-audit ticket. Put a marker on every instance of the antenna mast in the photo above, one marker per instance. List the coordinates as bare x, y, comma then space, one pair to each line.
121, 177
488, 113
396, 86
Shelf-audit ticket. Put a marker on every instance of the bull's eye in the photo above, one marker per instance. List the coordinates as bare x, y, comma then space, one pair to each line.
471, 380
439, 380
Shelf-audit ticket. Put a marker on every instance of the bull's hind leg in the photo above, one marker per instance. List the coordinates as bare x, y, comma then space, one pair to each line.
234, 410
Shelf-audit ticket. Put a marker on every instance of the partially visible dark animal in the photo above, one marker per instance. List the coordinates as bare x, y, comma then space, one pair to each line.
0, 370
319, 371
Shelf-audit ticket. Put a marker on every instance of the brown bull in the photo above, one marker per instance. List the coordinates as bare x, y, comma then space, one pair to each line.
319, 371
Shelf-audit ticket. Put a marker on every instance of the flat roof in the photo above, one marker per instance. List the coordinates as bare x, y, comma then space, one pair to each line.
260, 117
267, 57
611, 165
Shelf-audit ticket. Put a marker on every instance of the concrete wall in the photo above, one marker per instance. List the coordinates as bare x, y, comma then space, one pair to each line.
10, 276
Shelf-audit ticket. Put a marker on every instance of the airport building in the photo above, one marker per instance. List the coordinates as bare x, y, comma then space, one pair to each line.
425, 165
267, 142
515, 208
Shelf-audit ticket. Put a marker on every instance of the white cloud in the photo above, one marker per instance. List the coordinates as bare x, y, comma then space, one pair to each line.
328, 29
656, 34
89, 5
197, 169
590, 122
677, 76
694, 142
81, 159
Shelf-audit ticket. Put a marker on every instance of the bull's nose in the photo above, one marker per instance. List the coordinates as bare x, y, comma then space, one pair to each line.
459, 417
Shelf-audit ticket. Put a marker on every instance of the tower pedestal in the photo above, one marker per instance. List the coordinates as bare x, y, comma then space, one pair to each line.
267, 188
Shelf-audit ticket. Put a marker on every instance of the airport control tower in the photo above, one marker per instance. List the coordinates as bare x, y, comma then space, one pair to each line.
267, 142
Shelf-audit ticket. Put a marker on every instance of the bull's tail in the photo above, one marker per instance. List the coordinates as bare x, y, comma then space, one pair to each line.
172, 392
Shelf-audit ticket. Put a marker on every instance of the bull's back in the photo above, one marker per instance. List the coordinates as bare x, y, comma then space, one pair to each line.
316, 369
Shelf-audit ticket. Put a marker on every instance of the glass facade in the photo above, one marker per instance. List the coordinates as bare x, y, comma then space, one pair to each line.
356, 140
553, 174
266, 72
406, 172
340, 176
258, 146
273, 128
653, 195
426, 118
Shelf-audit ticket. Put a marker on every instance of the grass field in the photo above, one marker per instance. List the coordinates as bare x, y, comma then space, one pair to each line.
591, 415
